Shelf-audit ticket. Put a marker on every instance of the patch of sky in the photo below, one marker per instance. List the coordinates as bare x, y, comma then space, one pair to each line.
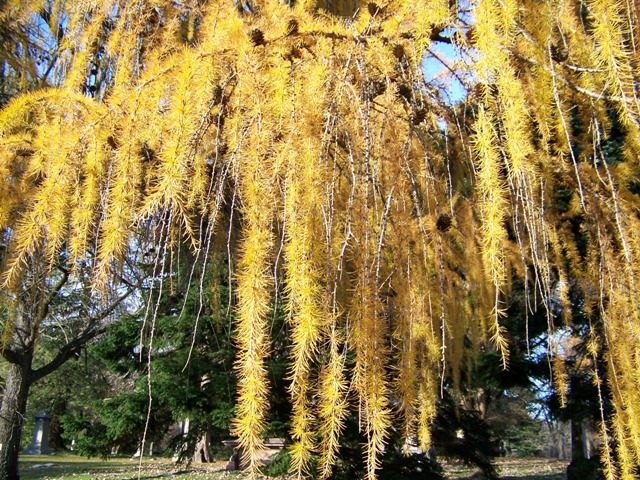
542, 386
446, 68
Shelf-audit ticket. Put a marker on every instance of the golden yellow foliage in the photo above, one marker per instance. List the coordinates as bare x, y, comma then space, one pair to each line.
395, 220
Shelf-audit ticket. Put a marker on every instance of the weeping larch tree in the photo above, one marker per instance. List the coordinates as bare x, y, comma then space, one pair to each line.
303, 142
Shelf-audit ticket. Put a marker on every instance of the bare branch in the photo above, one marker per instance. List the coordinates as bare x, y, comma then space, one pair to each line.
95, 327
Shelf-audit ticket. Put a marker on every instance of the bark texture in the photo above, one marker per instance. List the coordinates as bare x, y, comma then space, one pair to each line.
30, 310
19, 355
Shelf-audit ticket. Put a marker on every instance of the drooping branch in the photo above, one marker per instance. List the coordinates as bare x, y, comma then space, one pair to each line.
569, 83
157, 146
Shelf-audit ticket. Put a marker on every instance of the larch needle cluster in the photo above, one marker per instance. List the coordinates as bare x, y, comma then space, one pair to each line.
304, 141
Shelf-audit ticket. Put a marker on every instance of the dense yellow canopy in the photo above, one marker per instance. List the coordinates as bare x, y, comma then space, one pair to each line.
394, 220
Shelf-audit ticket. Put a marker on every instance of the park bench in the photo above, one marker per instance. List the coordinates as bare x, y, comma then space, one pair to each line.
272, 446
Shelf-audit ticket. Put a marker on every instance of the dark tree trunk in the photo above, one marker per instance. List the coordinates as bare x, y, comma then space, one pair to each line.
577, 444
14, 406
55, 430
482, 402
582, 468
31, 309
28, 314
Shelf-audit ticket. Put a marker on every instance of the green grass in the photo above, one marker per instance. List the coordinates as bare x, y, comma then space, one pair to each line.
67, 466
72, 467
516, 469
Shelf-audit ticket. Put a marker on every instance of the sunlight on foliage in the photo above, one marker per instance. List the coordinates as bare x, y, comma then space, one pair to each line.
303, 141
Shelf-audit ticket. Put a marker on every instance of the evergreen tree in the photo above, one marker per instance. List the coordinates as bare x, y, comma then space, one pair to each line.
187, 373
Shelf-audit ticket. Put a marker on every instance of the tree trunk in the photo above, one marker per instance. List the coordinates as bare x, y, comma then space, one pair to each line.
577, 444
30, 310
482, 402
14, 406
19, 356
202, 453
582, 468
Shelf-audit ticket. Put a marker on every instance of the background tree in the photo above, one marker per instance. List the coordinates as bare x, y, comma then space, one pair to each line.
192, 379
190, 374
66, 390
55, 304
314, 151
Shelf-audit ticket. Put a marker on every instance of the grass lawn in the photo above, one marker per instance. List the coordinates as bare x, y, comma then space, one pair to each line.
67, 466
72, 467
516, 469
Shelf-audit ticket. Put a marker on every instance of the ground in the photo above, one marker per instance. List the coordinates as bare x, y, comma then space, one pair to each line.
517, 469
63, 467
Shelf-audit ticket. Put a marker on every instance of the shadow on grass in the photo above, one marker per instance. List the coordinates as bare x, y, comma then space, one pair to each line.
525, 476
72, 466
550, 476
67, 466
162, 475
